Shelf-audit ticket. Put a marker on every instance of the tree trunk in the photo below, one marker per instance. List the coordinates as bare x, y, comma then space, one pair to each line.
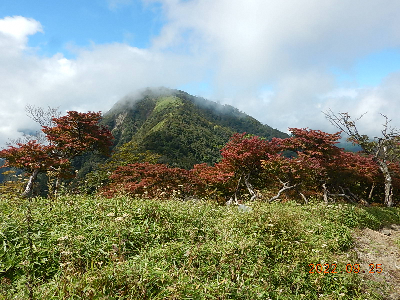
57, 183
29, 185
371, 191
56, 187
250, 187
237, 190
388, 183
325, 194
303, 197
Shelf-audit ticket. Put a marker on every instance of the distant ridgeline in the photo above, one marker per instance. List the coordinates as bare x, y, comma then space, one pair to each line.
183, 129
1, 170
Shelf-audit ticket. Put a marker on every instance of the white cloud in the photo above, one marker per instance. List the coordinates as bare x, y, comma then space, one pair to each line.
97, 78
18, 28
270, 37
289, 46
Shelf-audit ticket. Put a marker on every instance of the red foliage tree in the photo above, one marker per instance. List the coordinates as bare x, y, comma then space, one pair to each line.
355, 173
308, 163
160, 181
77, 133
243, 155
299, 173
72, 135
316, 154
147, 180
320, 166
211, 181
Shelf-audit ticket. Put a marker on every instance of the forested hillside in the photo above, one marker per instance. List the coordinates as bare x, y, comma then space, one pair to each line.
183, 129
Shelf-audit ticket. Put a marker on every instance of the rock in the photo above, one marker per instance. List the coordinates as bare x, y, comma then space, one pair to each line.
244, 208
395, 227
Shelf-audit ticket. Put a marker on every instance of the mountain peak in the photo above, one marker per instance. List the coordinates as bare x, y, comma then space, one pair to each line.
182, 128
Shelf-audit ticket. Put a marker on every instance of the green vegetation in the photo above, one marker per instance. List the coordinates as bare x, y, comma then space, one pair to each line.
165, 102
184, 130
86, 247
161, 234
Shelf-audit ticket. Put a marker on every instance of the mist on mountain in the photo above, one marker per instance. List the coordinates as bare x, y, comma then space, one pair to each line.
183, 129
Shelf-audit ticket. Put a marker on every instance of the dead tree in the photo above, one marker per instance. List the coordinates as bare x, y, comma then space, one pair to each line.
41, 116
385, 149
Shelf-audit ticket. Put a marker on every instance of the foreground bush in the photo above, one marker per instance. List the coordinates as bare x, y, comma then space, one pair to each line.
124, 248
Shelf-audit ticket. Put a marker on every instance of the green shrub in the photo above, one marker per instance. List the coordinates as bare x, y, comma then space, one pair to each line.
125, 248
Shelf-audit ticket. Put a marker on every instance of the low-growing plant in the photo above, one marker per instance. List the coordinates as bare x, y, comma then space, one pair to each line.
87, 247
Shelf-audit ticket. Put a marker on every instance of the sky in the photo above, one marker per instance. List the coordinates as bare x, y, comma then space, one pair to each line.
282, 62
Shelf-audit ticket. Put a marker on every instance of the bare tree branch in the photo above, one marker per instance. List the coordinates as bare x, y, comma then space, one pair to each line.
327, 195
41, 116
384, 150
285, 187
303, 197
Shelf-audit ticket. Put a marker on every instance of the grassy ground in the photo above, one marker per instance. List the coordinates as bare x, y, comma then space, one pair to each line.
123, 248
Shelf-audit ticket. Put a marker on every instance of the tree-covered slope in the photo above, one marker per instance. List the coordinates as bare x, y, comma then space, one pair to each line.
182, 128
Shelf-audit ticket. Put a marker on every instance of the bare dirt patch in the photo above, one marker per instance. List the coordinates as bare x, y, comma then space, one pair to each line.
382, 249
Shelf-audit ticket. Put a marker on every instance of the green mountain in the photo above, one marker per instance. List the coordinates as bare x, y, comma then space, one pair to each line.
183, 129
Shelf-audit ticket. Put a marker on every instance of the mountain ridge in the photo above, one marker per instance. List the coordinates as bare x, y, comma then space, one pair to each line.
182, 128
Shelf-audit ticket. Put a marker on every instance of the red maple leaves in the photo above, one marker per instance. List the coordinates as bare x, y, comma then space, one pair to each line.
77, 133
148, 180
72, 135
309, 161
318, 162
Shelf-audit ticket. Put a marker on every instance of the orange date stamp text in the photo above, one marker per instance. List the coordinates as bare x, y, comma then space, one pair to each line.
350, 268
